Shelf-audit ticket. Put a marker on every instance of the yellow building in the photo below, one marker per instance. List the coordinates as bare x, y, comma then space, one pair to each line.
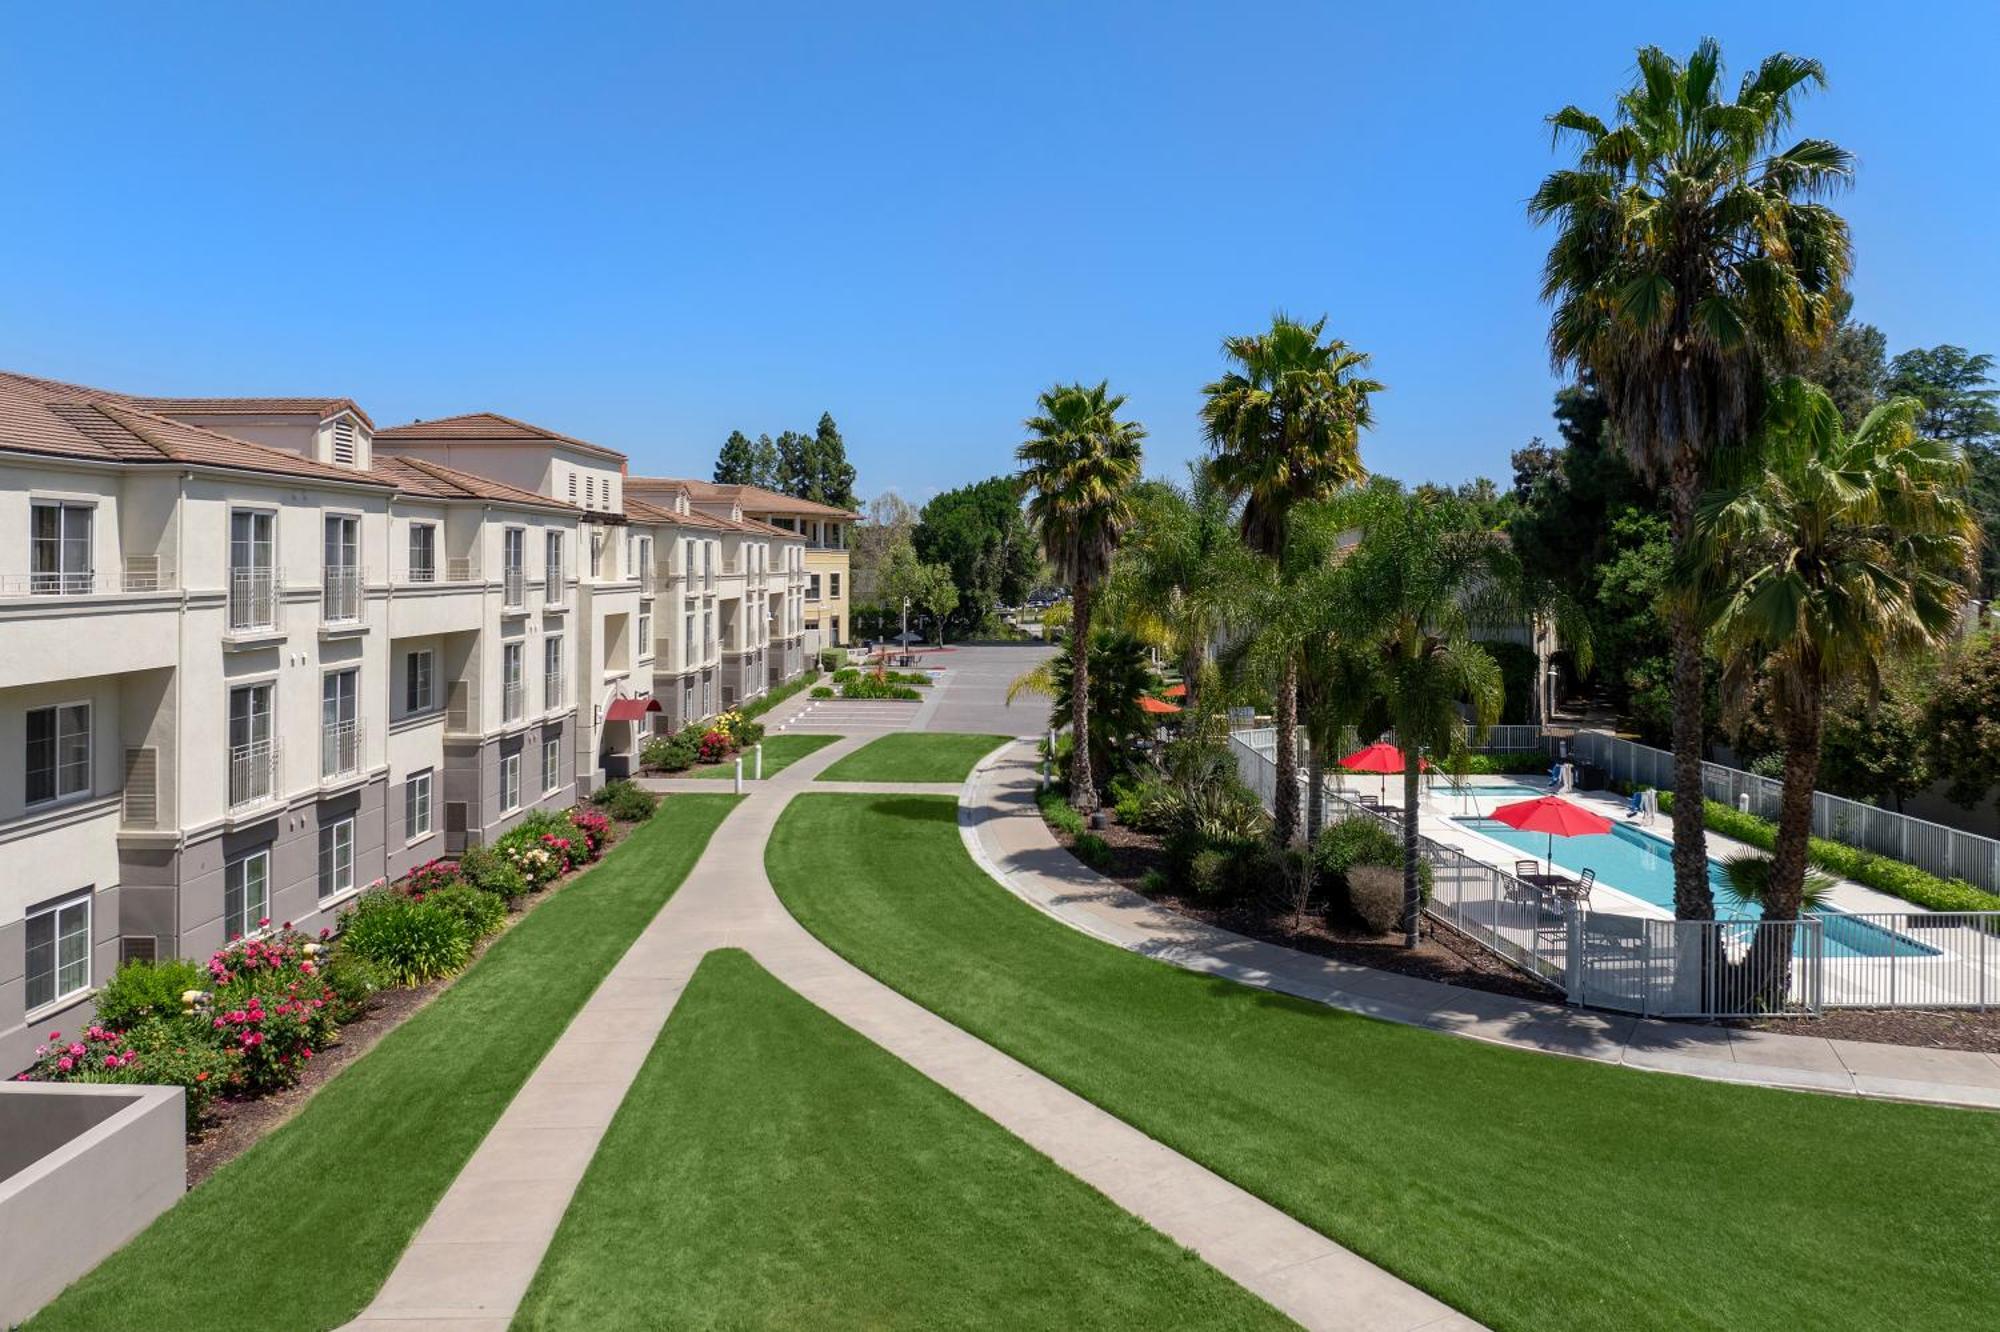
829, 584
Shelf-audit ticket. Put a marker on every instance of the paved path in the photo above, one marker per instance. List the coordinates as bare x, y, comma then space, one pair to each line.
1005, 833
472, 1261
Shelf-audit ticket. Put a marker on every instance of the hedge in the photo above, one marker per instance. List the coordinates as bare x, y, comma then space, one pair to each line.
1868, 868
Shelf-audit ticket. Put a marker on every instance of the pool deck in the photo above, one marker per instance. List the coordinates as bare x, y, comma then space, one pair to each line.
1005, 834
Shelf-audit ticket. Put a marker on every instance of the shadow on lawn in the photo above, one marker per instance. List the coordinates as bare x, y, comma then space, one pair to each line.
920, 809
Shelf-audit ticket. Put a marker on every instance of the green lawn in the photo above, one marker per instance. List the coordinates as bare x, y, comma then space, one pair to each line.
1527, 1190
780, 752
770, 1168
301, 1230
914, 756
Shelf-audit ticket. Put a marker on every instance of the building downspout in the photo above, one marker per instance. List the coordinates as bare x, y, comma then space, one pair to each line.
180, 704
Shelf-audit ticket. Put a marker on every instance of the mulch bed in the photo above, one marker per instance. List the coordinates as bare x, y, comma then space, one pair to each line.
236, 1124
1440, 955
1943, 1029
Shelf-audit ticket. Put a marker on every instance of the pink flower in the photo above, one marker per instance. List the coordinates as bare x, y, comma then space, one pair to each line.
65, 1063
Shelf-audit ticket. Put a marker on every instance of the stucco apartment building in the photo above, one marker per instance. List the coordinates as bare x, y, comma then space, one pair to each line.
821, 527
256, 654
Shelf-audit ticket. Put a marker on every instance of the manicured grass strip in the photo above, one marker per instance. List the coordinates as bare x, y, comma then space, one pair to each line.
1529, 1191
757, 707
301, 1230
770, 1168
780, 752
914, 756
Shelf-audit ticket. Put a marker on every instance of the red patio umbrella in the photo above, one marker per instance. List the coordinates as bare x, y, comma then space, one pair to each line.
1157, 705
1378, 758
1176, 690
1554, 816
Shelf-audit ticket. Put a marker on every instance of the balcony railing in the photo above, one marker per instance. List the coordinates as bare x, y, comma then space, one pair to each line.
340, 595
552, 691
253, 599
253, 774
142, 574
510, 701
461, 708
461, 571
339, 750
514, 583
649, 582
552, 586
707, 648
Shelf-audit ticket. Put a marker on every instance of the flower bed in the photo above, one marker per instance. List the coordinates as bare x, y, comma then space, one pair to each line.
699, 744
250, 1021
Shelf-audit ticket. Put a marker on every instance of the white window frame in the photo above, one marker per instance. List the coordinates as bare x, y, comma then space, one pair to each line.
57, 767
57, 913
551, 764
332, 882
63, 580
428, 572
244, 920
510, 782
417, 793
645, 630
427, 699
552, 669
552, 565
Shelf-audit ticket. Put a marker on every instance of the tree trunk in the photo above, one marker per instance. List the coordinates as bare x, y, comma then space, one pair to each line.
1082, 782
1770, 961
1285, 801
1413, 894
1315, 791
1190, 673
1693, 898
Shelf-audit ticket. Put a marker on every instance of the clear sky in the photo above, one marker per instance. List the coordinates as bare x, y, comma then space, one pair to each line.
647, 225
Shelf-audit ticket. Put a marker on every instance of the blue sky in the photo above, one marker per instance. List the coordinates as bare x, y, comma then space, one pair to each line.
649, 225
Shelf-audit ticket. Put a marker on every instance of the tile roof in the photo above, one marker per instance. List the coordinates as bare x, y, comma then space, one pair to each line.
320, 406
54, 419
419, 476
639, 511
489, 428
752, 498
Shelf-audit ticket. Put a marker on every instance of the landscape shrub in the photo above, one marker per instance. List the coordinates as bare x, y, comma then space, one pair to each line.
593, 831
758, 707
542, 846
141, 990
480, 913
1092, 850
1060, 815
1374, 897
832, 658
626, 801
271, 1005
1358, 840
413, 942
669, 753
351, 981
822, 691
176, 1051
433, 875
869, 687
715, 746
487, 870
1154, 882
1207, 872
1507, 763
846, 673
747, 733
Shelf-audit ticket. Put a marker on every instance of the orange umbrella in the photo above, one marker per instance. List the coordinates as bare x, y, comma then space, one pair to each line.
1557, 818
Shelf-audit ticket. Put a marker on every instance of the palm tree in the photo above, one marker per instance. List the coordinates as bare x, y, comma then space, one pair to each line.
1118, 678
1692, 262
1285, 427
1078, 467
1424, 574
1833, 554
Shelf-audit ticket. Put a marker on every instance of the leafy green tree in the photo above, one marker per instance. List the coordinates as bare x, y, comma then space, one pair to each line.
1078, 466
1852, 367
1876, 748
736, 464
890, 520
927, 588
1693, 261
1285, 429
978, 531
1961, 404
830, 477
1827, 555
1118, 677
764, 463
1963, 722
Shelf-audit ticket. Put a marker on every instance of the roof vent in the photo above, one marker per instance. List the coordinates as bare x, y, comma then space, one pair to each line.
345, 450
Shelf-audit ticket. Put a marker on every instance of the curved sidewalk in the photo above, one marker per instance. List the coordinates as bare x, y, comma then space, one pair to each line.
1005, 833
472, 1261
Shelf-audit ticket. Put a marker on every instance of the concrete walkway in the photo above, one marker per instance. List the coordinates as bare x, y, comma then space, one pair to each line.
1005, 833
472, 1261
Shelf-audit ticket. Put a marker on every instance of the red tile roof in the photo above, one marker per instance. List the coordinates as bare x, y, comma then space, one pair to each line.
490, 428
320, 406
753, 499
419, 476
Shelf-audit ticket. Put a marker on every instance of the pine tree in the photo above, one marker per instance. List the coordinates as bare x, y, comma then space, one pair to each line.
736, 464
833, 476
764, 464
794, 471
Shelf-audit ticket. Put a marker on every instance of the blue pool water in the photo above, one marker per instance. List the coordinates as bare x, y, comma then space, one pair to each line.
1641, 865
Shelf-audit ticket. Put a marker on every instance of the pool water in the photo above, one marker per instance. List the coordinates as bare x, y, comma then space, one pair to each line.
1641, 865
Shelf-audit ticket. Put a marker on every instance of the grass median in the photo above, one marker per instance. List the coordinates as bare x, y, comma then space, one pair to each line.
771, 1168
301, 1230
1525, 1189
915, 756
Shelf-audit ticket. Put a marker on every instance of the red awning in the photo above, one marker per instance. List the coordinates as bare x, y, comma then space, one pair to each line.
630, 709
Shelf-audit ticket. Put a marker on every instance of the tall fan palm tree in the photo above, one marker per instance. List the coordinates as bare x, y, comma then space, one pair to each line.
1832, 554
1424, 574
1285, 428
1692, 263
1078, 466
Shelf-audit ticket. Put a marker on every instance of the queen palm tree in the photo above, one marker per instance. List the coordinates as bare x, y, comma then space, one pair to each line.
1833, 554
1285, 428
1423, 575
1692, 263
1078, 466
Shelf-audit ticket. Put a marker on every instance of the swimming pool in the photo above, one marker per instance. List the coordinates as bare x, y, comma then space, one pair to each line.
1641, 865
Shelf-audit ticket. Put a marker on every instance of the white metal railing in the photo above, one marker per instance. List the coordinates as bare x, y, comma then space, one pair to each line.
649, 582
339, 750
1929, 846
552, 691
552, 585
461, 571
510, 701
145, 574
1912, 959
253, 774
514, 586
253, 599
340, 595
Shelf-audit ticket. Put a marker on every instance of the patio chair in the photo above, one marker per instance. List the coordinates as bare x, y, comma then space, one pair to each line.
1578, 891
1528, 871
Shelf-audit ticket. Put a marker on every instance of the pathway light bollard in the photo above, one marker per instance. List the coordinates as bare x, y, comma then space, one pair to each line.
739, 774
760, 761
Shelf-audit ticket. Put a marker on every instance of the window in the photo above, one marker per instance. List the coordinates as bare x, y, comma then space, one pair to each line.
340, 723
59, 559
551, 764
645, 629
510, 782
58, 751
252, 765
833, 623
336, 858
246, 894
631, 558
552, 576
707, 634
812, 587
423, 552
343, 568
510, 682
513, 560
691, 658
58, 951
417, 805
687, 557
252, 578
419, 682
552, 672
687, 702
833, 585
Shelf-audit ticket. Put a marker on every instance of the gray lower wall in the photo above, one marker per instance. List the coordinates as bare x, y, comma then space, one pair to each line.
471, 775
18, 1035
